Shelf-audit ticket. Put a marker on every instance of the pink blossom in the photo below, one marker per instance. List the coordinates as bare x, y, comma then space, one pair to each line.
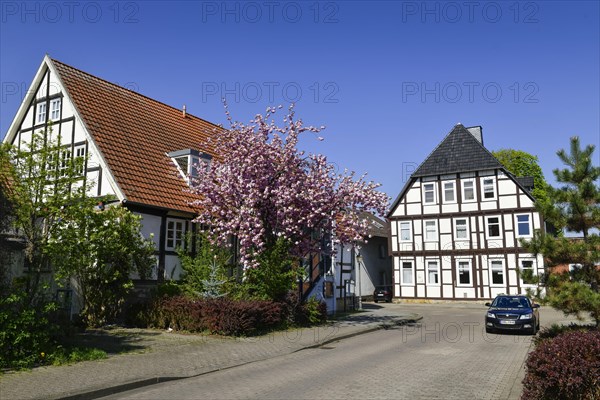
260, 187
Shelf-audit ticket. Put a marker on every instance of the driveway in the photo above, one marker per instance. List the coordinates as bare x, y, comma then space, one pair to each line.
447, 355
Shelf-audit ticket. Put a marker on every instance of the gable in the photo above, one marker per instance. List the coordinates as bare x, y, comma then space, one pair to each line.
460, 155
46, 102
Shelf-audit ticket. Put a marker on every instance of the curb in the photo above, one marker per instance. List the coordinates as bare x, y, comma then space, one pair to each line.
95, 394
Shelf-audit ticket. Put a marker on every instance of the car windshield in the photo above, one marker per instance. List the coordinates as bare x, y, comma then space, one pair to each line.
511, 302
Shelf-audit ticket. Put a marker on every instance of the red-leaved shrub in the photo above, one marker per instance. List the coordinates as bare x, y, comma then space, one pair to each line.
223, 315
566, 367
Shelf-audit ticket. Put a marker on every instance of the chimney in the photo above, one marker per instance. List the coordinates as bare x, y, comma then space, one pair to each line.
184, 111
477, 131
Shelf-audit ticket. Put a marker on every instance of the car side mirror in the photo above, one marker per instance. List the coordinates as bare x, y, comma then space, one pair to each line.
536, 306
488, 304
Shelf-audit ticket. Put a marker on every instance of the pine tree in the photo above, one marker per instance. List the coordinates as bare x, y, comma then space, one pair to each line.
575, 206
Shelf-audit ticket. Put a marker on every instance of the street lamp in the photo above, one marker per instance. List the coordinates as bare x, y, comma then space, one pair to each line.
359, 261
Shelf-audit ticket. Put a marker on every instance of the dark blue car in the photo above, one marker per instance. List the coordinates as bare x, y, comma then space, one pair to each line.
512, 313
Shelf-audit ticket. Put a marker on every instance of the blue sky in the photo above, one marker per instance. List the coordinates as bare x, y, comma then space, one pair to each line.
388, 79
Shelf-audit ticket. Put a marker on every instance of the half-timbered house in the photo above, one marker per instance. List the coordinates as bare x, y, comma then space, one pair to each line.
138, 151
456, 224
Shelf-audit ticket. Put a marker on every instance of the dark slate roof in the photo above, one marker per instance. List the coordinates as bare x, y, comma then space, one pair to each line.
526, 182
460, 151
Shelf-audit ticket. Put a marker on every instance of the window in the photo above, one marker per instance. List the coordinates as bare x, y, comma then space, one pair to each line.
429, 193
526, 272
407, 273
430, 231
464, 272
493, 227
489, 189
523, 225
55, 109
449, 193
574, 268
497, 272
187, 161
405, 233
80, 158
433, 273
65, 162
41, 113
175, 233
468, 191
461, 232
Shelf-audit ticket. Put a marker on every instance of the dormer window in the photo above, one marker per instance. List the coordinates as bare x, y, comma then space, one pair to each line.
187, 161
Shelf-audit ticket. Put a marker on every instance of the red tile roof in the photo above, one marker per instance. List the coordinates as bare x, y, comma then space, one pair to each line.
134, 133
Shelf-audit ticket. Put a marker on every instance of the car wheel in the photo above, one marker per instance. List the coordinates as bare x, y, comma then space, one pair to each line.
375, 300
534, 330
488, 330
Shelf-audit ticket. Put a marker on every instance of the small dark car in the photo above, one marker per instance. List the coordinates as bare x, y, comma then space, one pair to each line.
512, 313
383, 293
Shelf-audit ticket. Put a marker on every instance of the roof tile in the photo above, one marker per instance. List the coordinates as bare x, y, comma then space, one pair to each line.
134, 133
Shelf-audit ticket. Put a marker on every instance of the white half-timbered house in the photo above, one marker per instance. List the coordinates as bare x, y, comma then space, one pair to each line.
138, 150
456, 224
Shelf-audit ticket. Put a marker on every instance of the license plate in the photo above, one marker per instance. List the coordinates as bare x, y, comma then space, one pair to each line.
507, 322
380, 294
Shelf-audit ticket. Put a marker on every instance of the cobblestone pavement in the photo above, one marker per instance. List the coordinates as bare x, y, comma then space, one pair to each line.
446, 355
160, 356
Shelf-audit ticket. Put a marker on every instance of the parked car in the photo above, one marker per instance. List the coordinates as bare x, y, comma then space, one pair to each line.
512, 313
383, 293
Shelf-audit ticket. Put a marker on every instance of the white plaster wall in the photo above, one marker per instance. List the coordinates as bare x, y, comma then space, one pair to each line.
469, 206
447, 291
506, 186
508, 202
413, 209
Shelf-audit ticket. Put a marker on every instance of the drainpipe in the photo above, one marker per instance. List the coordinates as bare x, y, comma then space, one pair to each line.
359, 261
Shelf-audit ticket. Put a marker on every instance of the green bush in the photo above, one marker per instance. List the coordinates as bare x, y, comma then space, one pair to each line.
275, 277
565, 367
298, 313
27, 333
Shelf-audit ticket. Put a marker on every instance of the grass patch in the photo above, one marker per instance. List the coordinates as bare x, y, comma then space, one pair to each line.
66, 355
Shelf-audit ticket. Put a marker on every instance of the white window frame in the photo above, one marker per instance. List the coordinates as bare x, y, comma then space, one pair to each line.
426, 223
491, 185
409, 224
464, 190
574, 267
529, 226
55, 108
177, 241
522, 268
433, 191
487, 227
466, 228
403, 281
40, 112
469, 270
80, 155
496, 265
436, 269
445, 192
64, 164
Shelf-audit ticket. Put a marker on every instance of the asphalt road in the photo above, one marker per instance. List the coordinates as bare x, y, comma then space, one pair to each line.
447, 355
